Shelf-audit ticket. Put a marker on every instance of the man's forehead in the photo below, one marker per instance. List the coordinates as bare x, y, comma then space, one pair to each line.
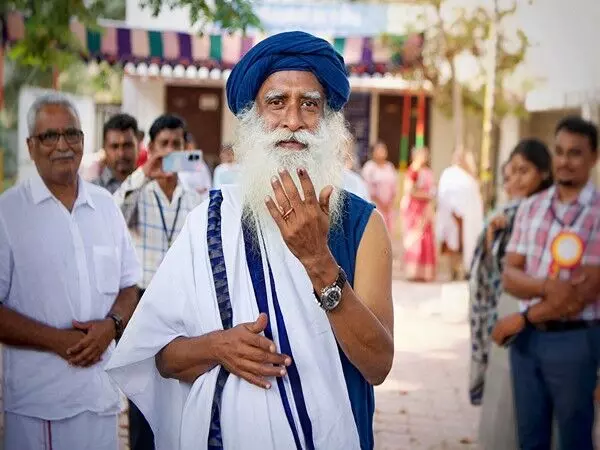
565, 138
292, 81
56, 117
120, 135
170, 133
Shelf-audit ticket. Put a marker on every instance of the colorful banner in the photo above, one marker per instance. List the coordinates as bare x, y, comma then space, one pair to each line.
420, 129
362, 54
405, 136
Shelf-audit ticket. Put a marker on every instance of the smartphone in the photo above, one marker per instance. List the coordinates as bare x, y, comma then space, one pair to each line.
184, 161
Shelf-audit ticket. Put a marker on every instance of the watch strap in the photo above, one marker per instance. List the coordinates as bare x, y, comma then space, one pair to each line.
339, 283
118, 324
525, 314
341, 279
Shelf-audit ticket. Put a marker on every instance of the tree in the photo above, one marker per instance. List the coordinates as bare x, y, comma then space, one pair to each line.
49, 43
476, 34
449, 38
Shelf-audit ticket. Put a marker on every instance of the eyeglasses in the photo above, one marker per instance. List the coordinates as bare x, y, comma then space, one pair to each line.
51, 137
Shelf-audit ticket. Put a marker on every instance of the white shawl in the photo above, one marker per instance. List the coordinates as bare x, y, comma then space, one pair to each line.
458, 193
181, 301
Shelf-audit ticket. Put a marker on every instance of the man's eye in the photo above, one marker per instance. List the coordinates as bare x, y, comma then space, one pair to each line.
49, 135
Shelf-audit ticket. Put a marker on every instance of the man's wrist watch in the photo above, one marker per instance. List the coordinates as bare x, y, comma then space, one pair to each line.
525, 314
331, 296
118, 324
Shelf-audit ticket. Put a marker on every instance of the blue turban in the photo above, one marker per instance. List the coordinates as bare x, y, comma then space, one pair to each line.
292, 50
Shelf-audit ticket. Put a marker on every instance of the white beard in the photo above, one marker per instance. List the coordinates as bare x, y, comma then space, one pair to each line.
260, 160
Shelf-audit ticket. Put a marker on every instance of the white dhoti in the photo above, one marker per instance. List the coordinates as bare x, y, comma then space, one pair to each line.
85, 431
459, 194
181, 301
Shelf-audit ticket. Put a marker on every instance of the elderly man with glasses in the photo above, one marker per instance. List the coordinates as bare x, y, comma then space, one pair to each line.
68, 275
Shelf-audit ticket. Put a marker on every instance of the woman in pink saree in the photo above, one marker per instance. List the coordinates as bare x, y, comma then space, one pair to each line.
382, 180
417, 210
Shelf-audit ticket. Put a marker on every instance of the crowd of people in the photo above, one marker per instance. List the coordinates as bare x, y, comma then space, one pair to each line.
534, 285
250, 310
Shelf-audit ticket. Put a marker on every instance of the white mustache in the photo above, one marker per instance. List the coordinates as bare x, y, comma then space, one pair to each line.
303, 137
69, 154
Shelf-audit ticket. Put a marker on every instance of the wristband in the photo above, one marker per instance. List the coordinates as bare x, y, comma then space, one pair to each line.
528, 323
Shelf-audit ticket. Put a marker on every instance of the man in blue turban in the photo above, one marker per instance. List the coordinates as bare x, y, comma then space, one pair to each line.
293, 50
271, 318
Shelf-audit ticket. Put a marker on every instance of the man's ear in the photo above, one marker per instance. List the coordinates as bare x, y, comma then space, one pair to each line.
30, 147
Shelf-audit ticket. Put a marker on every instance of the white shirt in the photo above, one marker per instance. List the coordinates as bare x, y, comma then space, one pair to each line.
145, 199
57, 266
226, 173
199, 181
354, 183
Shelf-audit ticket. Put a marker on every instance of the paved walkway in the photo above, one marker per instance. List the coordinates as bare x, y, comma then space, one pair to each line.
424, 404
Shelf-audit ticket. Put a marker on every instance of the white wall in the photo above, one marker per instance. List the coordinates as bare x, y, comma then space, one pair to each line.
510, 134
86, 109
175, 20
565, 53
144, 99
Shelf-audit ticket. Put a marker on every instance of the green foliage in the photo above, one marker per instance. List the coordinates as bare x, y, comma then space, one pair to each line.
49, 43
18, 75
466, 34
228, 14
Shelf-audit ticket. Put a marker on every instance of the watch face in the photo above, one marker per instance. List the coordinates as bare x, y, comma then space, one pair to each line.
332, 298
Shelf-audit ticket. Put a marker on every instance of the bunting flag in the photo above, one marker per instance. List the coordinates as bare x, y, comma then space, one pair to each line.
363, 55
420, 129
405, 136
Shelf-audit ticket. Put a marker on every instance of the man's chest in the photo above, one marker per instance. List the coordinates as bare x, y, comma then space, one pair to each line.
47, 242
549, 227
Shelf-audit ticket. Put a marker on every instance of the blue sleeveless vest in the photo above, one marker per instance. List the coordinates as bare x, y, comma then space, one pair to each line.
343, 243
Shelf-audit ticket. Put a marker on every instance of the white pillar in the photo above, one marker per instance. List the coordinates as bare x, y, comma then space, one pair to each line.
509, 137
374, 118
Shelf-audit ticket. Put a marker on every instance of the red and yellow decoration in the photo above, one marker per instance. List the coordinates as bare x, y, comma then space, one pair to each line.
567, 252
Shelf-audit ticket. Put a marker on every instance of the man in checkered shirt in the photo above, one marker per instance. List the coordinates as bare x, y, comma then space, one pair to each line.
155, 205
555, 355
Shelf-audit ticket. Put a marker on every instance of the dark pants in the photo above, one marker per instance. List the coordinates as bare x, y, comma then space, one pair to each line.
554, 375
140, 433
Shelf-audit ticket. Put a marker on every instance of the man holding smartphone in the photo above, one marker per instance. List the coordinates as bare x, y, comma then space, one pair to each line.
155, 205
198, 180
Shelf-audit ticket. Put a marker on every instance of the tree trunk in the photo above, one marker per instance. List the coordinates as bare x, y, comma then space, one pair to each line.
55, 75
490, 121
457, 109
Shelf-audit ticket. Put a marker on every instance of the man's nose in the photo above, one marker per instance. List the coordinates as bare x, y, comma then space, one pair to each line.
293, 119
61, 144
560, 160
